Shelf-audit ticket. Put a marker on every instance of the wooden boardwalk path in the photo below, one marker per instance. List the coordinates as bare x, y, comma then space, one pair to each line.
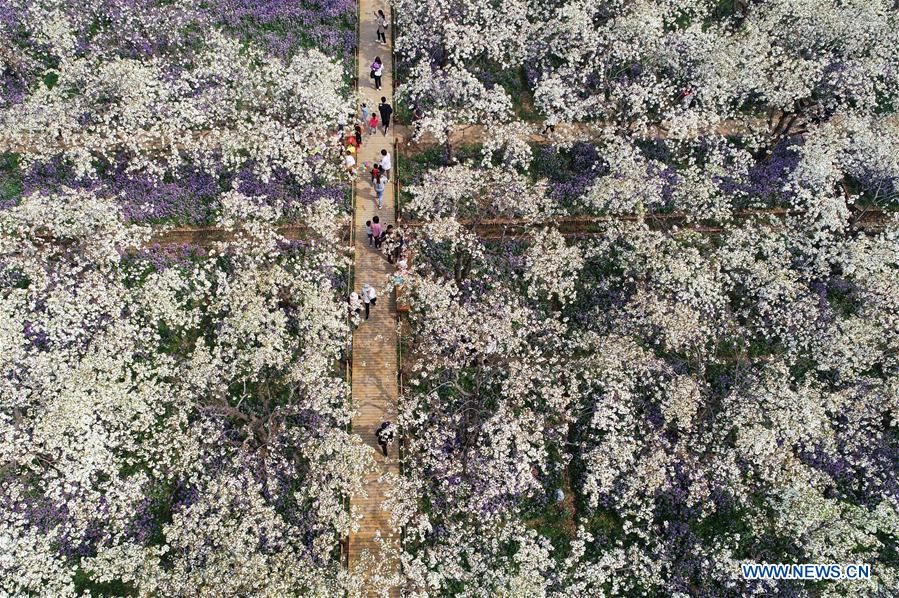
374, 372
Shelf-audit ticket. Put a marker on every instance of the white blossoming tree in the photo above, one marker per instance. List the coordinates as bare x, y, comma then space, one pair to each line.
175, 428
219, 103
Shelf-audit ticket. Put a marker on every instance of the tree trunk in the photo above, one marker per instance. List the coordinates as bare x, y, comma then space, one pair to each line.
448, 148
461, 267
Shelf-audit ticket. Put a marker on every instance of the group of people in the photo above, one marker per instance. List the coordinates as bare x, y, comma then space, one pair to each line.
377, 67
353, 141
366, 116
391, 241
366, 300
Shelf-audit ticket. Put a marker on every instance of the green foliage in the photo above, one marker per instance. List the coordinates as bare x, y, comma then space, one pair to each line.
84, 583
50, 79
10, 177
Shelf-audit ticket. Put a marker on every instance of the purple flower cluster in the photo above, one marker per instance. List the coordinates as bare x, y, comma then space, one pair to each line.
284, 26
571, 173
190, 197
163, 257
766, 178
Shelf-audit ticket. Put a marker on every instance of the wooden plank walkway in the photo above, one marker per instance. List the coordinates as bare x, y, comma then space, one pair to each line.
374, 372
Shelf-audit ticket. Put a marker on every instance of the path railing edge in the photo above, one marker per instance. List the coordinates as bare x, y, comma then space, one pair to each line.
351, 282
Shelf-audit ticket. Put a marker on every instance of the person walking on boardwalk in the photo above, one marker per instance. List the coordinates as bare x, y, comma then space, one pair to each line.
381, 18
377, 70
371, 239
376, 229
386, 111
386, 163
373, 124
350, 162
380, 185
379, 237
369, 297
363, 113
357, 134
385, 436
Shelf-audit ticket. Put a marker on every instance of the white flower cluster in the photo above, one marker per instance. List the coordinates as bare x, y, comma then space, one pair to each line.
230, 106
176, 430
708, 398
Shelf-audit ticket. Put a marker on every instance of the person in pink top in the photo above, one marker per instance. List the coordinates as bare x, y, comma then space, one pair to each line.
373, 123
376, 229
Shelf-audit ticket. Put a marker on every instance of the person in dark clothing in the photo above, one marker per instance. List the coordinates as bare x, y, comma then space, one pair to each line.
386, 111
384, 434
357, 133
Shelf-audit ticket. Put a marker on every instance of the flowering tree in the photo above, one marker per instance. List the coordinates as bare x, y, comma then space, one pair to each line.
172, 428
451, 50
691, 64
233, 105
640, 410
165, 106
684, 67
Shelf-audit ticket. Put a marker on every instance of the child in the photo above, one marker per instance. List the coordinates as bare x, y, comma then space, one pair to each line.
350, 162
357, 134
364, 111
375, 172
379, 190
371, 239
373, 124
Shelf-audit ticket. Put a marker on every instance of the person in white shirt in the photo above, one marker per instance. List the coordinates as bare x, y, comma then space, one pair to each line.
385, 436
386, 163
369, 297
350, 162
